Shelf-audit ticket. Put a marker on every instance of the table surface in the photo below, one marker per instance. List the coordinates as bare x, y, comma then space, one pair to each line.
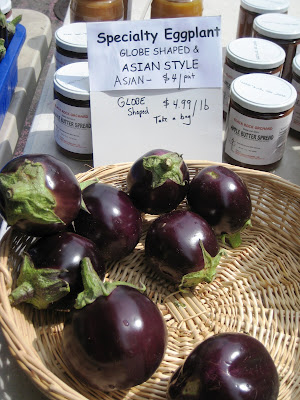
14, 384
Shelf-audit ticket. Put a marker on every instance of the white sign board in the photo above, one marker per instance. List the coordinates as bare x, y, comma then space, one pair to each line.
156, 84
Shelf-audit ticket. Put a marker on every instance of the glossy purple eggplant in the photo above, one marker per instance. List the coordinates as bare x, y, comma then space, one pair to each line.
220, 196
158, 181
227, 366
50, 276
117, 341
110, 220
39, 194
182, 247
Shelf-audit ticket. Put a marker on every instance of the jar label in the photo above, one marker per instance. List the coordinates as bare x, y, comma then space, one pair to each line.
61, 60
256, 141
296, 115
229, 75
72, 128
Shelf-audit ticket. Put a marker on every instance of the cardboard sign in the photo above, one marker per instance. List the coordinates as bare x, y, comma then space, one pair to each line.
156, 84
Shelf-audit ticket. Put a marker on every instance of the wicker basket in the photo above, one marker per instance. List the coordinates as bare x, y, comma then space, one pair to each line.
256, 290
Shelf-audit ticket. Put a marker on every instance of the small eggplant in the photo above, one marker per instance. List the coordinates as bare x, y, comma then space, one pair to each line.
182, 247
116, 338
39, 194
109, 219
221, 197
158, 181
227, 366
50, 275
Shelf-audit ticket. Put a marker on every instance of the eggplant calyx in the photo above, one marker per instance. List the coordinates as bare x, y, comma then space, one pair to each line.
2, 48
11, 26
88, 182
39, 287
164, 167
26, 195
83, 185
3, 20
206, 274
234, 239
94, 287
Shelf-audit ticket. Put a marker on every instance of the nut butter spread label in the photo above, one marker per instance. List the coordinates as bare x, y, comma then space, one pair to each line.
256, 141
72, 128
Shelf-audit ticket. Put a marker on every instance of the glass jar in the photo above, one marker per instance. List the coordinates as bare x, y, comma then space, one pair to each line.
250, 9
96, 10
72, 113
248, 55
295, 125
71, 44
259, 117
285, 31
176, 8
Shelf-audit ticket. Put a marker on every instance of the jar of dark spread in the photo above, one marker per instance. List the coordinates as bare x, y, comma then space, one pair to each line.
259, 117
71, 44
96, 10
6, 8
295, 125
285, 31
72, 114
248, 55
176, 8
250, 9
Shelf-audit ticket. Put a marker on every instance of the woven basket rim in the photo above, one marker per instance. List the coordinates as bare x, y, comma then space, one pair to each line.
203, 163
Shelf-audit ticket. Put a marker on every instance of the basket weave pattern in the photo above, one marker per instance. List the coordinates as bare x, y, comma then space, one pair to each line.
256, 290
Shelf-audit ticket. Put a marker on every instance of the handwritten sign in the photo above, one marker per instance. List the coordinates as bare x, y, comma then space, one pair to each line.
155, 54
156, 84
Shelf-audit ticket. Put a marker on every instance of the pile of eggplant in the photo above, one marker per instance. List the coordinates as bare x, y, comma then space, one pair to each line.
115, 337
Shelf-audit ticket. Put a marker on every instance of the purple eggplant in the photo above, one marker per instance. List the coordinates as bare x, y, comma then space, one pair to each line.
221, 197
182, 247
110, 220
50, 275
227, 366
39, 194
158, 181
115, 339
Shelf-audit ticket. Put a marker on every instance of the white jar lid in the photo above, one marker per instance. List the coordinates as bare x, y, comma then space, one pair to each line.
263, 93
296, 65
72, 37
255, 53
5, 6
72, 81
265, 6
277, 26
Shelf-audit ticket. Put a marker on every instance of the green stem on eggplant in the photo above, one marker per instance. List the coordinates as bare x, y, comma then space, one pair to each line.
39, 287
94, 287
27, 196
163, 167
